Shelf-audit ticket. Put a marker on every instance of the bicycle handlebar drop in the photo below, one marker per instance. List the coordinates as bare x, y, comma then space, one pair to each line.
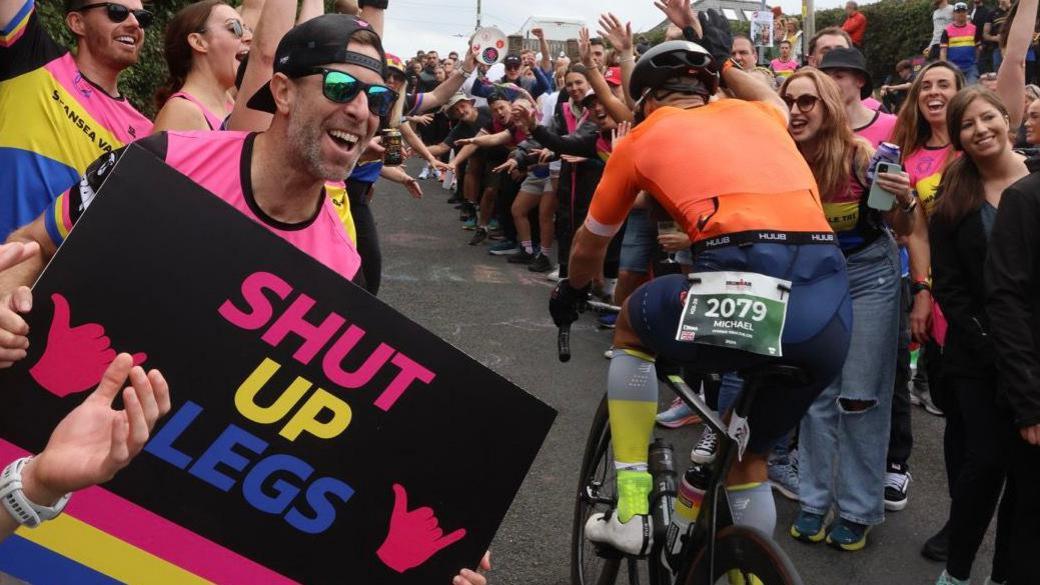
563, 343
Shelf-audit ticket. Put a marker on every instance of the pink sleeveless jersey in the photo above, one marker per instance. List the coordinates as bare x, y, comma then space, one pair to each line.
212, 119
213, 160
879, 130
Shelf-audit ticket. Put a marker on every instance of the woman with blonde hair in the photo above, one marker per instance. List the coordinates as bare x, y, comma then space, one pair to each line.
844, 435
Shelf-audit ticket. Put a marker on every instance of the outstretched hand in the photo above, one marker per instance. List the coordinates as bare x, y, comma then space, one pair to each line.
619, 36
585, 47
677, 11
622, 130
715, 35
94, 441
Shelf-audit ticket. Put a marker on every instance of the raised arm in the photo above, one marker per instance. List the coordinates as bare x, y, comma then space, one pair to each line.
276, 19
250, 12
8, 10
543, 46
450, 86
1011, 79
373, 12
616, 108
310, 9
620, 37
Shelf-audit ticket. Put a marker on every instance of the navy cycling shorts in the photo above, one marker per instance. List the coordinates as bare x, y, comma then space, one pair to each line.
816, 331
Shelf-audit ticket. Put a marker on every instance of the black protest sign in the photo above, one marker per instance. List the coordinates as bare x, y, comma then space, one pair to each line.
315, 431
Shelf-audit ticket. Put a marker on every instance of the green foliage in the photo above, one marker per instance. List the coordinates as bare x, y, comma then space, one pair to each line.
896, 30
139, 82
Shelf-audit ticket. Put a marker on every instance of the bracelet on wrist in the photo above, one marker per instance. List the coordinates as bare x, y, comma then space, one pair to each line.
910, 207
918, 286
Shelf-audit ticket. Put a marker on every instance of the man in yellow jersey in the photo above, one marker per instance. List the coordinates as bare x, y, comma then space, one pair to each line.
762, 233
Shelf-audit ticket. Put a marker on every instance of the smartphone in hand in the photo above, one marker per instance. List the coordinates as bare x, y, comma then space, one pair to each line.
879, 198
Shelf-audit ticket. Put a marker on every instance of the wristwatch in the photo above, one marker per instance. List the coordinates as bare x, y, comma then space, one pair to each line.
21, 509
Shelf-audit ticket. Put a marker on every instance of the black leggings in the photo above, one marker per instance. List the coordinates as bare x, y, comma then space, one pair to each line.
973, 417
367, 236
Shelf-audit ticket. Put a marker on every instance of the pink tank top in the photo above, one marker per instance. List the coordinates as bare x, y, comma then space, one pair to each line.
213, 160
214, 121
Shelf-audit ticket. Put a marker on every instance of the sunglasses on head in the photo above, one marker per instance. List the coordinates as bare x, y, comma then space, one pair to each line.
234, 26
805, 102
119, 13
342, 87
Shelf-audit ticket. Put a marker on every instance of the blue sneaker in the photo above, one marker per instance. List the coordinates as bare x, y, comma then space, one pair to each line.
470, 224
783, 476
677, 415
493, 226
808, 527
847, 535
504, 248
607, 320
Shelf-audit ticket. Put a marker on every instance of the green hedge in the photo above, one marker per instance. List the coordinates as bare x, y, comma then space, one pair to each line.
896, 30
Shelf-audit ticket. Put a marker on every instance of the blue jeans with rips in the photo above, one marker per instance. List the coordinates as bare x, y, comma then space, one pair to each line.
844, 436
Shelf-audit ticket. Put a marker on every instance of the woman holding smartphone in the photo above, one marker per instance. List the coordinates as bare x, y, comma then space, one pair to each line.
847, 425
960, 230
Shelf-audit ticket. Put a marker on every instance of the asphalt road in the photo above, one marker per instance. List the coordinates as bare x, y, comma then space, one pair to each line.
496, 312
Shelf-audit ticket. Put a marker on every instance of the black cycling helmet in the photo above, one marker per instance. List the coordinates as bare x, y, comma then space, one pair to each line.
670, 60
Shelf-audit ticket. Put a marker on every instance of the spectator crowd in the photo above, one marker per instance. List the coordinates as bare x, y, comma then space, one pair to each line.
945, 279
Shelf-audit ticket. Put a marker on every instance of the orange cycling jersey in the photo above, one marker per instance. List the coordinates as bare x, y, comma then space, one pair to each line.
725, 168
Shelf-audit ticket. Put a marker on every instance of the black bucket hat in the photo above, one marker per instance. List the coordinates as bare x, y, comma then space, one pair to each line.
852, 60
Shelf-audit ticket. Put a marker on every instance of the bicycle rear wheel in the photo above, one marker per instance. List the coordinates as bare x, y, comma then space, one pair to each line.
597, 488
744, 556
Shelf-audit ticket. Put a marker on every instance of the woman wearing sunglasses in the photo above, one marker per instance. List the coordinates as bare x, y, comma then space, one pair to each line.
205, 42
844, 434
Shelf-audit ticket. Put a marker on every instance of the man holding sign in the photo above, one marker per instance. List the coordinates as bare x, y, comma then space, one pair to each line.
768, 283
327, 96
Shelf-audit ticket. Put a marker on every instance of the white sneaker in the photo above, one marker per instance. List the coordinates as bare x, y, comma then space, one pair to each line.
554, 275
609, 354
704, 452
633, 537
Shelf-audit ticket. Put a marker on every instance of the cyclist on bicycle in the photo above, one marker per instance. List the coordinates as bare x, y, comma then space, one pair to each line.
690, 154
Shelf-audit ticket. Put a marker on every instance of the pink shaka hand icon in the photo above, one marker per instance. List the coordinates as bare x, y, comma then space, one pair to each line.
414, 535
75, 358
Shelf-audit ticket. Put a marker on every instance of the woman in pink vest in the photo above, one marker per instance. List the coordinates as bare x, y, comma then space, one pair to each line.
204, 43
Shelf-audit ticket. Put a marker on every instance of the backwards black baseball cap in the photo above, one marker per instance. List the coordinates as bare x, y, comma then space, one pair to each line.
319, 41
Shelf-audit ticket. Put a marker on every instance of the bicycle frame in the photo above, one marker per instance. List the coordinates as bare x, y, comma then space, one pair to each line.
712, 515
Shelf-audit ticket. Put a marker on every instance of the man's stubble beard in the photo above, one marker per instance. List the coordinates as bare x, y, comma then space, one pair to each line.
305, 148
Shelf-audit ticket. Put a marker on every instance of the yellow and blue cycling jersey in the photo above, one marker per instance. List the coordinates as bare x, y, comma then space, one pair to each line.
54, 122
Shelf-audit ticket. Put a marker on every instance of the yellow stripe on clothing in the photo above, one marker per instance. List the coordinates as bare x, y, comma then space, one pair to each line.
631, 426
76, 139
105, 553
638, 354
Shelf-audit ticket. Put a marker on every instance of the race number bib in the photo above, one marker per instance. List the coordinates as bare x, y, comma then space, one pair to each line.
738, 310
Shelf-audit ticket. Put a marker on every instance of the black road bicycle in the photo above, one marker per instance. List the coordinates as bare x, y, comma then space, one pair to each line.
713, 550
